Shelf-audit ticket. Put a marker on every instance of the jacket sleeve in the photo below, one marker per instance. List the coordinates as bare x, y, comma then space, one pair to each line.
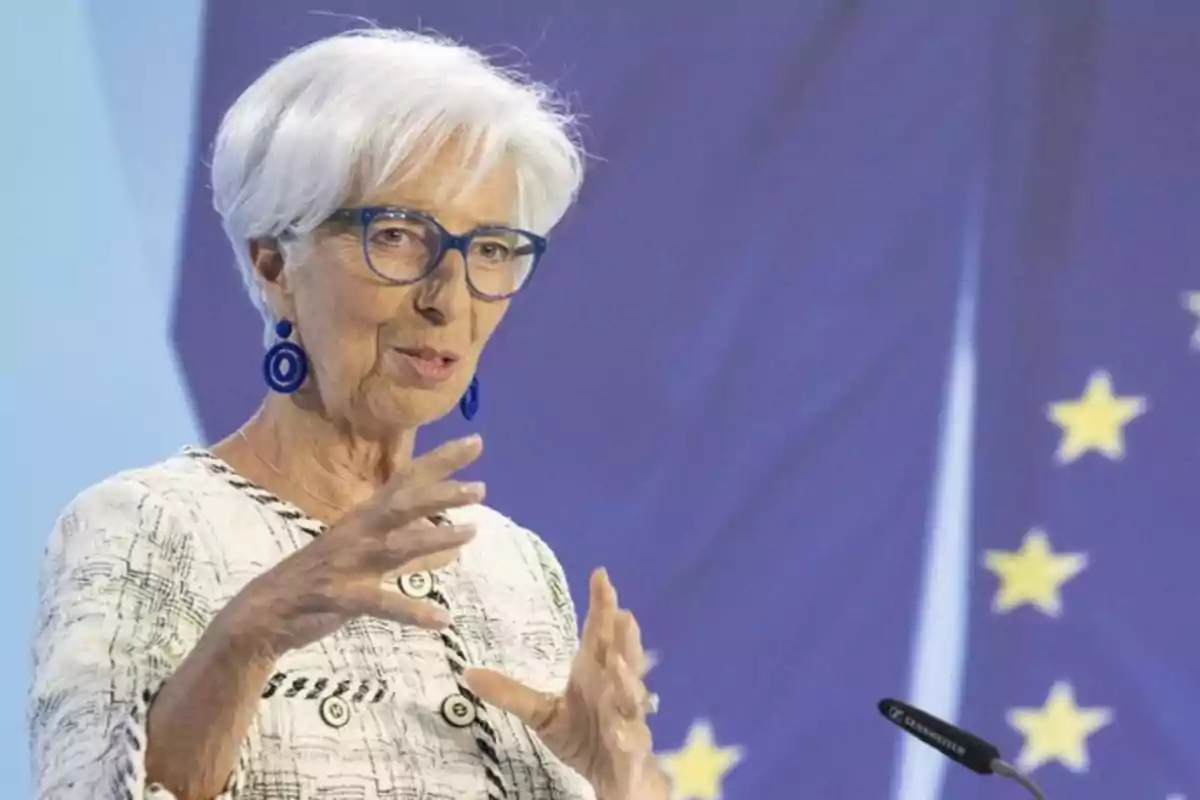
560, 594
120, 605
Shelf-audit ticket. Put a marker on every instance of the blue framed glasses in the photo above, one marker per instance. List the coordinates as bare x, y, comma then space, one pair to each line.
403, 246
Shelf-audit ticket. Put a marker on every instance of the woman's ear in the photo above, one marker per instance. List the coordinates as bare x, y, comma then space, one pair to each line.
268, 259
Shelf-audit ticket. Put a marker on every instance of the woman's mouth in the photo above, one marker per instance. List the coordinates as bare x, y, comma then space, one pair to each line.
431, 365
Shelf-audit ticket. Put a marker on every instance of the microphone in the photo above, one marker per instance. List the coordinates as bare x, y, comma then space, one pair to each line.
956, 744
953, 742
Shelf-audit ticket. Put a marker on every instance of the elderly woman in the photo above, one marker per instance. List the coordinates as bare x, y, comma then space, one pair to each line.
306, 609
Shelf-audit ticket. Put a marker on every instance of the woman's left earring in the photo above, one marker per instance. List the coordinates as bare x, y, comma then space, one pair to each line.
468, 404
285, 365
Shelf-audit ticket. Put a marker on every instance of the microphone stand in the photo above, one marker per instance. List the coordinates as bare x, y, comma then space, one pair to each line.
1009, 771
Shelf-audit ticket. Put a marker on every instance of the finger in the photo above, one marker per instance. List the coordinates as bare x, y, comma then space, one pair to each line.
608, 615
628, 738
532, 707
400, 451
406, 545
385, 604
597, 634
608, 591
627, 637
588, 633
441, 462
628, 692
622, 735
419, 501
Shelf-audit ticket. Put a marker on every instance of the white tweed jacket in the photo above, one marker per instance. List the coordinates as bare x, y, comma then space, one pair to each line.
139, 564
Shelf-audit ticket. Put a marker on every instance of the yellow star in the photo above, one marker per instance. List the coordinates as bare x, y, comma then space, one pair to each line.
1191, 301
697, 768
1058, 730
1096, 421
1034, 574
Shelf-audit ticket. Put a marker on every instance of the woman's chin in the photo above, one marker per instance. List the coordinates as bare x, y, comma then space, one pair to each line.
404, 408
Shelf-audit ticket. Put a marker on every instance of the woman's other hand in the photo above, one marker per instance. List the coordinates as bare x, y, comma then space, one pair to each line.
597, 726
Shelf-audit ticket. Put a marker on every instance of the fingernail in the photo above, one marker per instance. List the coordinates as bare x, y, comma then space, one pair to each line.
477, 488
473, 440
465, 532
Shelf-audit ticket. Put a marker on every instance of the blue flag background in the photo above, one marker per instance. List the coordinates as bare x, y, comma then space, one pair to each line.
1083, 656
869, 362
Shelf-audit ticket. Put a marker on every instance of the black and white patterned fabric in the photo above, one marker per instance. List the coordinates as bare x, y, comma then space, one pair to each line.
139, 564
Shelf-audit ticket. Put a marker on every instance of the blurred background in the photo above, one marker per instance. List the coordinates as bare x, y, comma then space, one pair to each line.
868, 363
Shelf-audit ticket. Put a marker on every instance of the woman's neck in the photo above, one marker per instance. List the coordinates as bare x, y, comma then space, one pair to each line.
321, 466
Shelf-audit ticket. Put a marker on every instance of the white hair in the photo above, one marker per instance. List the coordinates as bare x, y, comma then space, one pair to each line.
343, 114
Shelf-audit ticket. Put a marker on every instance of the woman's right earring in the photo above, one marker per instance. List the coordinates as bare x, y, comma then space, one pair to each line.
468, 404
285, 365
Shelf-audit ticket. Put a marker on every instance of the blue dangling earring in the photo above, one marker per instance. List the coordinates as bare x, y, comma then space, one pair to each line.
285, 365
468, 404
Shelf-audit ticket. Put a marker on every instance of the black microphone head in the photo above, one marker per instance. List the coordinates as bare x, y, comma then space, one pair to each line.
953, 742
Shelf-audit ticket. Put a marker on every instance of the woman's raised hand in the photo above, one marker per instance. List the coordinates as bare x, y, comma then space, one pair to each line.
343, 573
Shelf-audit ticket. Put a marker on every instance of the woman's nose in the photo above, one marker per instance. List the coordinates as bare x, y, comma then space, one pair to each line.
445, 294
